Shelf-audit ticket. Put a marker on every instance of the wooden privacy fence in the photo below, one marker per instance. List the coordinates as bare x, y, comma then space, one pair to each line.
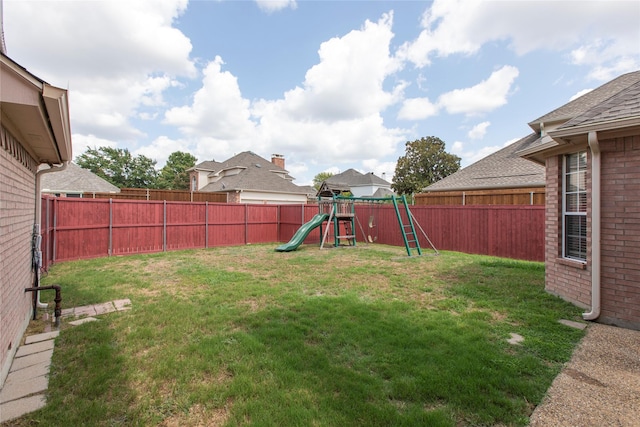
161, 195
88, 228
512, 231
511, 196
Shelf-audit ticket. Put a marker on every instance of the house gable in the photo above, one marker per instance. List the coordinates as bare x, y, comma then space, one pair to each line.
552, 126
250, 178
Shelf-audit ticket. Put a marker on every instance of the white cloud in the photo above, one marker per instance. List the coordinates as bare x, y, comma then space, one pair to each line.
457, 148
478, 131
579, 94
160, 149
82, 142
470, 155
218, 109
347, 82
417, 109
337, 110
607, 30
331, 117
384, 170
483, 97
275, 5
116, 58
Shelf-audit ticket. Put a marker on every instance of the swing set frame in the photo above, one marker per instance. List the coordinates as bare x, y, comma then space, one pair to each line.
341, 211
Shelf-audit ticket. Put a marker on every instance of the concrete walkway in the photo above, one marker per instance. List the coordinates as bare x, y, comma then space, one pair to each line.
28, 379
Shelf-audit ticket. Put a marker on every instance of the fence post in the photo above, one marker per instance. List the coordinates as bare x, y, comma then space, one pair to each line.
55, 234
164, 225
206, 225
246, 223
110, 248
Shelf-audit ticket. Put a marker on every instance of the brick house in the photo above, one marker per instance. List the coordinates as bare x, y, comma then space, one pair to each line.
34, 130
591, 151
249, 178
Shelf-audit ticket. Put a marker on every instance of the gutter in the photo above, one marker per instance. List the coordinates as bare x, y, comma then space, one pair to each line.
36, 228
595, 228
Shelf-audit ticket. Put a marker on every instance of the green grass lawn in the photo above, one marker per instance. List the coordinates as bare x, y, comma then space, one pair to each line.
360, 336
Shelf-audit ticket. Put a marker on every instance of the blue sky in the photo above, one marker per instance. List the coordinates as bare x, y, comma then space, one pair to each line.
330, 85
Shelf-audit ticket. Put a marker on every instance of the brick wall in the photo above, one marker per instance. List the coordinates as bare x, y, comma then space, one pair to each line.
567, 279
17, 215
620, 235
620, 279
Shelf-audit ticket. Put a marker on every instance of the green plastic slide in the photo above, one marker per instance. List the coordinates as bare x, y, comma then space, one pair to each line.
302, 233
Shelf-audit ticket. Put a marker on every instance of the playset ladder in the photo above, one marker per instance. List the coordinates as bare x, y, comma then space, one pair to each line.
408, 230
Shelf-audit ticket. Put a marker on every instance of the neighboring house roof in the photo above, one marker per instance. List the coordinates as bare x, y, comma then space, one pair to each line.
502, 169
75, 179
207, 165
588, 100
248, 171
353, 178
382, 192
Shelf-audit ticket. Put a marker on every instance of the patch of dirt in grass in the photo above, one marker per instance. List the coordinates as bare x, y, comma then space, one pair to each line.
255, 304
200, 416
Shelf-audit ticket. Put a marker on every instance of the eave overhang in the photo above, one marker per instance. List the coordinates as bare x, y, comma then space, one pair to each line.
36, 113
560, 140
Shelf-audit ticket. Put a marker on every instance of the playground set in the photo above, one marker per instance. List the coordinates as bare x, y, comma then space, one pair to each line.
339, 210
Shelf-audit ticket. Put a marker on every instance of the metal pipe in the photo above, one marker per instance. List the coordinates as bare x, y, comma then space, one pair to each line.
58, 299
38, 223
594, 313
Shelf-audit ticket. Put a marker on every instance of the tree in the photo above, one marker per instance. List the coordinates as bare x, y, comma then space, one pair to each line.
424, 163
320, 178
119, 167
174, 175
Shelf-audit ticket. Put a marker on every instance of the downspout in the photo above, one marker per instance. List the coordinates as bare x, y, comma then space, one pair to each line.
595, 228
37, 233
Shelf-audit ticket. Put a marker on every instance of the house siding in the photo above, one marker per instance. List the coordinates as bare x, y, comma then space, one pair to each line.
17, 216
620, 241
569, 280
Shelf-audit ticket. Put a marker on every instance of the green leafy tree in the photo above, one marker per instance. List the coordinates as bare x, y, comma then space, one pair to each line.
424, 163
174, 175
320, 178
119, 167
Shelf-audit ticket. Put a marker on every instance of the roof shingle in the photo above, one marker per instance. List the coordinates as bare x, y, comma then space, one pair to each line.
502, 169
589, 100
255, 173
75, 179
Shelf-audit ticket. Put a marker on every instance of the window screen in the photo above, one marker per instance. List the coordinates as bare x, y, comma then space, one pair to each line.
574, 191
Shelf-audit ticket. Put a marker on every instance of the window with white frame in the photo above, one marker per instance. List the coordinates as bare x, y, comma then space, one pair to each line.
574, 206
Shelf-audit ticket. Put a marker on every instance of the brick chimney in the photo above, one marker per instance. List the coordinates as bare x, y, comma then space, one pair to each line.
278, 160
